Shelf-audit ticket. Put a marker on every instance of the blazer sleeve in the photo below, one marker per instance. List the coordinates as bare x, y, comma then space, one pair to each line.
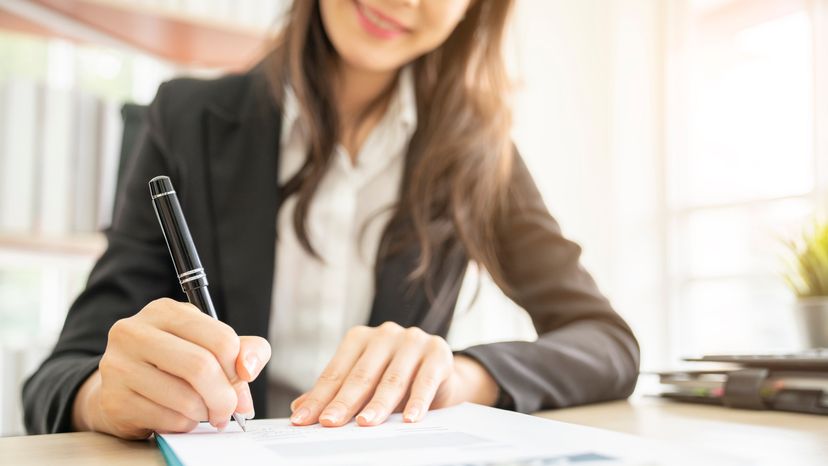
134, 269
585, 352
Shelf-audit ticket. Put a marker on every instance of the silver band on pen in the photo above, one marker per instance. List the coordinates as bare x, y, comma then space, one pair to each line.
165, 193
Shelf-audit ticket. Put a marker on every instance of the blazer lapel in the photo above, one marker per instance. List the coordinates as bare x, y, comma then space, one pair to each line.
397, 299
243, 154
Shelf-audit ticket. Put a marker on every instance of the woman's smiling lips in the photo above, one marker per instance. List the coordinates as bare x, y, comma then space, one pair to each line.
378, 24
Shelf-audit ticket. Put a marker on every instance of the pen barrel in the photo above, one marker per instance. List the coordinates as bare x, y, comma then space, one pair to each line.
180, 243
200, 297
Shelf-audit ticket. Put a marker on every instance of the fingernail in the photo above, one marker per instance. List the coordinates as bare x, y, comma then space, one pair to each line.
412, 414
368, 415
251, 364
300, 415
333, 416
248, 415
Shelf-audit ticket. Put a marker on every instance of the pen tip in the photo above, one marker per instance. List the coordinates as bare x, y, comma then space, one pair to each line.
240, 421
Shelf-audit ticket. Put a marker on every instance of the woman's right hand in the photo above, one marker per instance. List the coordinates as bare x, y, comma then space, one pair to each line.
165, 369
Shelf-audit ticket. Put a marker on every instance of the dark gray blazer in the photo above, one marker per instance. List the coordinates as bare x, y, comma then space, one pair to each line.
219, 142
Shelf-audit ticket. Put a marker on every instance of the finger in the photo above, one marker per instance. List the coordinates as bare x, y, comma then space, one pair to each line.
245, 405
254, 353
436, 367
361, 381
394, 383
332, 377
186, 321
299, 400
160, 418
164, 389
145, 414
192, 363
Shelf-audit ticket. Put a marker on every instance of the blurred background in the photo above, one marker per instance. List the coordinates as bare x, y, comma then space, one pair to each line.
680, 142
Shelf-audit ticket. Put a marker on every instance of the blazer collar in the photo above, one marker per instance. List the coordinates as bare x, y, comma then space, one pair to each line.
243, 128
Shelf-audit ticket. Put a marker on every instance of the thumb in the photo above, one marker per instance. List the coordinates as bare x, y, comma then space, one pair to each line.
254, 353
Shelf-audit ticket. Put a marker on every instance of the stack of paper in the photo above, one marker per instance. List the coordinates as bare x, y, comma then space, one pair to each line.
463, 435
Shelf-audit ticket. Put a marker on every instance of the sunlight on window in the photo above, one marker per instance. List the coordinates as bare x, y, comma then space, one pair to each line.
750, 129
740, 241
744, 178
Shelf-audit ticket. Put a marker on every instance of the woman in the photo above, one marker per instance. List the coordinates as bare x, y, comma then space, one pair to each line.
369, 153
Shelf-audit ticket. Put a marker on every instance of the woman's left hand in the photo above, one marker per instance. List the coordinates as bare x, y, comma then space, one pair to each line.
379, 370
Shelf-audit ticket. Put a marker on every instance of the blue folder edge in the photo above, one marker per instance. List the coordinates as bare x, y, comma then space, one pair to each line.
167, 452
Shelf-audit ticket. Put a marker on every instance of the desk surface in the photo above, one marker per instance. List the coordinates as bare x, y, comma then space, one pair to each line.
764, 437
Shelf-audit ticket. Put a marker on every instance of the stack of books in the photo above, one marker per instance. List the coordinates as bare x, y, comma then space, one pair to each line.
59, 154
784, 382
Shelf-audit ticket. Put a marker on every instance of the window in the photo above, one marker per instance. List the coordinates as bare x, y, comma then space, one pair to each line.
741, 170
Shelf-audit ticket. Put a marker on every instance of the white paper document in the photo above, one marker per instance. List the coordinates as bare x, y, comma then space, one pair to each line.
467, 434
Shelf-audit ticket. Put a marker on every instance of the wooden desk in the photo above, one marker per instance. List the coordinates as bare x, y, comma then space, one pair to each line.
763, 437
766, 438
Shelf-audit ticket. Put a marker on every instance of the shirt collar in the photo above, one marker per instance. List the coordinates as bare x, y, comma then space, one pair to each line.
402, 108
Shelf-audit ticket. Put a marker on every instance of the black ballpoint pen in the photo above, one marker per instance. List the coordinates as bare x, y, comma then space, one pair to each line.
183, 251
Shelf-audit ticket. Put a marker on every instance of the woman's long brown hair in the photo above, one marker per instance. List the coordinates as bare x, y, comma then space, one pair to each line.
459, 159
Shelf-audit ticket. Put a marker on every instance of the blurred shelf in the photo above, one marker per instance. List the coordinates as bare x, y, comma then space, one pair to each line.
173, 37
13, 22
87, 245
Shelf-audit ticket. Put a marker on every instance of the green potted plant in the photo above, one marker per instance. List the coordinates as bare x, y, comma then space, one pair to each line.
807, 276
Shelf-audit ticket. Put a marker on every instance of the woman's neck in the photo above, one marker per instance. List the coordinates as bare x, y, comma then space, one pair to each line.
357, 90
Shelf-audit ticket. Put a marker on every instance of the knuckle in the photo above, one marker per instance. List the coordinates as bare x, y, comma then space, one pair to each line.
429, 381
446, 356
393, 381
188, 307
414, 334
440, 347
390, 325
109, 366
390, 328
125, 333
436, 342
119, 331
361, 377
227, 344
203, 367
356, 332
117, 327
105, 365
158, 305
330, 376
164, 301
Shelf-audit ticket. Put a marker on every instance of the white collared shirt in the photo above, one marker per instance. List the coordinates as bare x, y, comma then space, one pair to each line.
315, 302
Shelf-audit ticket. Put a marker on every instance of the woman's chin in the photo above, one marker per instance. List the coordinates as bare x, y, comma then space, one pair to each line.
368, 60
